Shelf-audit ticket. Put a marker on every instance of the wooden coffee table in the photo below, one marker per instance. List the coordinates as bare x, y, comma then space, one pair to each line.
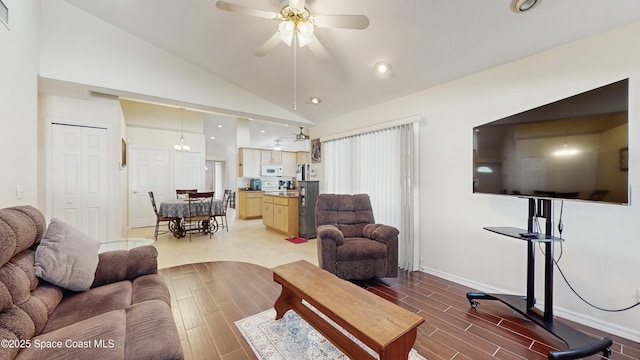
383, 326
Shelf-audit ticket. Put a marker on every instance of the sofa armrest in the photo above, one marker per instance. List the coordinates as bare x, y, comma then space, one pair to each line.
380, 232
121, 265
330, 232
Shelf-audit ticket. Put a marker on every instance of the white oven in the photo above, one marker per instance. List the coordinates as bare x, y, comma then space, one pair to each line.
271, 170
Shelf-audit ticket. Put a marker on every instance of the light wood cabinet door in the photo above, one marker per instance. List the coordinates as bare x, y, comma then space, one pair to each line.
254, 207
288, 164
303, 157
281, 218
249, 205
271, 157
267, 211
280, 214
249, 162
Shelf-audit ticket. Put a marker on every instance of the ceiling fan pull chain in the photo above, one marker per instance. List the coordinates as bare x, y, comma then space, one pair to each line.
295, 51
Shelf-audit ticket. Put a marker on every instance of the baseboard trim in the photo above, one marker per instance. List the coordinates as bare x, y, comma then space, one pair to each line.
608, 327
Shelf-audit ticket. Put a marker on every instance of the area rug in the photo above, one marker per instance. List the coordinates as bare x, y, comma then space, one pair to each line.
296, 239
292, 338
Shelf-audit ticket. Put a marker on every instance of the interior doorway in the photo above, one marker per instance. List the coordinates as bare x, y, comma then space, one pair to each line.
214, 178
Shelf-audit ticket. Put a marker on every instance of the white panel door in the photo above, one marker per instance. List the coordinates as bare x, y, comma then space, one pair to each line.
79, 190
189, 171
149, 170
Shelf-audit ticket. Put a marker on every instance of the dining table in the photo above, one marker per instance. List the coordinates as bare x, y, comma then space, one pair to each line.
179, 209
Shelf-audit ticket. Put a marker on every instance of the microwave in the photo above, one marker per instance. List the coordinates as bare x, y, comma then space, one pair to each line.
271, 170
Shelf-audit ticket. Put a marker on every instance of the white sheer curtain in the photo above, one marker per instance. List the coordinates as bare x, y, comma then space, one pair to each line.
383, 164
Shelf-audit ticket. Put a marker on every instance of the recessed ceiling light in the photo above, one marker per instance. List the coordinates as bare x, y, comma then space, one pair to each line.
219, 125
262, 131
523, 5
213, 138
382, 67
315, 100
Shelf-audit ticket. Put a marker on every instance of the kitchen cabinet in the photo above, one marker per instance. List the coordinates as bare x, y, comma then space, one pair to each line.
280, 213
249, 162
249, 204
303, 157
288, 164
271, 157
267, 211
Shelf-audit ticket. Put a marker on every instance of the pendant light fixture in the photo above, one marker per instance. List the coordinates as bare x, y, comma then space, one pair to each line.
182, 147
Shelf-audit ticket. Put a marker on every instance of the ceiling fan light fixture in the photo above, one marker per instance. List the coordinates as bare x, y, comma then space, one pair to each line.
286, 29
523, 5
305, 33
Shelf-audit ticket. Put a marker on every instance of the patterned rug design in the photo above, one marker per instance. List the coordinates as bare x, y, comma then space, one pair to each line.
291, 338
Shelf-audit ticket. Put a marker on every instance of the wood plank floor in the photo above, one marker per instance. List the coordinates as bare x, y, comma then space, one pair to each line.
208, 297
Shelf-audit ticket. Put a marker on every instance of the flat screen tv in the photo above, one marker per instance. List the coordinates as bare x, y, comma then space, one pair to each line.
575, 148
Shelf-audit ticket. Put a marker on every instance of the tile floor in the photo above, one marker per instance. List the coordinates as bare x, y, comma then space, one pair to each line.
246, 240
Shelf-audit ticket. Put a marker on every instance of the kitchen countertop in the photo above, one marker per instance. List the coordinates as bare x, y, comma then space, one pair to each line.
287, 194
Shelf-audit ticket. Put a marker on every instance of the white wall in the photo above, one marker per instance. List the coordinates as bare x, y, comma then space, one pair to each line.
161, 126
19, 103
80, 48
601, 251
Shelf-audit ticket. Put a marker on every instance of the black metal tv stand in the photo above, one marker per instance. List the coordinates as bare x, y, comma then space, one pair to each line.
579, 344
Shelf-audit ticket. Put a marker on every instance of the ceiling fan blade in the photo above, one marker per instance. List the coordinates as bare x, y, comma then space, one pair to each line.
318, 50
223, 5
359, 22
268, 45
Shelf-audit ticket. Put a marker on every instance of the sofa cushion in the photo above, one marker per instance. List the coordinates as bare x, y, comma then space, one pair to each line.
16, 281
85, 305
149, 287
18, 322
100, 337
152, 332
361, 249
8, 352
66, 257
49, 294
20, 228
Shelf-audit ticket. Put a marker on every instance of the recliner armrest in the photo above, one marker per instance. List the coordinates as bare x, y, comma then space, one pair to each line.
330, 232
380, 232
121, 265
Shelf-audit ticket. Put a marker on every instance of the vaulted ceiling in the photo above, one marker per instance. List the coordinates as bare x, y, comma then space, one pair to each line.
427, 42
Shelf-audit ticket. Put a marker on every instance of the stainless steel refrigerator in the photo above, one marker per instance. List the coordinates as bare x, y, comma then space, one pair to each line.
308, 195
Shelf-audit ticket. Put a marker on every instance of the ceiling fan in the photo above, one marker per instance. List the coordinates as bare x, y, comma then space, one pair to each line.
276, 146
296, 23
301, 136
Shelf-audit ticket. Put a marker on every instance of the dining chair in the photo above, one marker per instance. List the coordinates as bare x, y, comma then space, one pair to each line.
159, 219
222, 214
185, 193
199, 214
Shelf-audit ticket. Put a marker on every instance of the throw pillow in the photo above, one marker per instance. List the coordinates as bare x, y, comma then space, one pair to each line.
67, 257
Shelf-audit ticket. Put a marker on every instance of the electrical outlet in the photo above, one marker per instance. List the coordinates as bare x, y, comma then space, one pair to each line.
19, 191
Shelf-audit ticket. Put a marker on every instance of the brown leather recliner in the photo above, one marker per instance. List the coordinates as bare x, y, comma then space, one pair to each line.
350, 244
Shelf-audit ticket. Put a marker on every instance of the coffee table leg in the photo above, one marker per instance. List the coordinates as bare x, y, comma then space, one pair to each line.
283, 303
